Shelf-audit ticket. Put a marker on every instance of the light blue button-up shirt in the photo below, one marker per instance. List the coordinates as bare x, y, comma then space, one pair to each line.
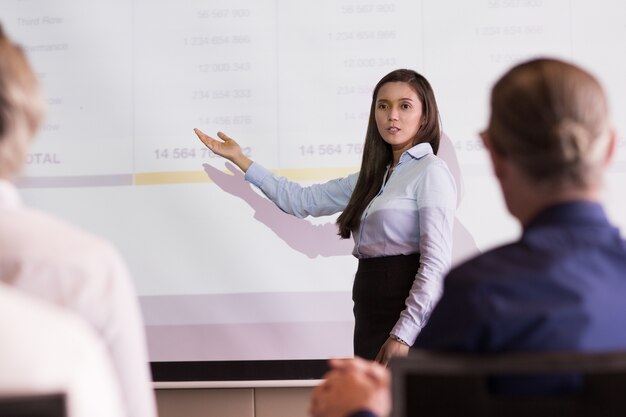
412, 213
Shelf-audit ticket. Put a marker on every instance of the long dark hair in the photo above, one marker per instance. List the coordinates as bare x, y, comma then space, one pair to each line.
377, 153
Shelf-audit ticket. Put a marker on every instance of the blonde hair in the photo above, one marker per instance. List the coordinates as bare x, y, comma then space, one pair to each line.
21, 107
551, 118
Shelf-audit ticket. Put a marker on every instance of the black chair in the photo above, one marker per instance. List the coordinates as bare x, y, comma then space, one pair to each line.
429, 384
49, 405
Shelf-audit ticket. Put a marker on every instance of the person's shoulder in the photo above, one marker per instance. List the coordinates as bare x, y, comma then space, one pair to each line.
430, 164
47, 317
66, 232
438, 166
487, 266
38, 236
429, 174
52, 349
54, 326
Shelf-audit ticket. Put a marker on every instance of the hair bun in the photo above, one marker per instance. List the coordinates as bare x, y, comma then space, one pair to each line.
572, 140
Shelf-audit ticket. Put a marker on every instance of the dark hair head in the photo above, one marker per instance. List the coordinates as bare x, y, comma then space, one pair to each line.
377, 153
430, 131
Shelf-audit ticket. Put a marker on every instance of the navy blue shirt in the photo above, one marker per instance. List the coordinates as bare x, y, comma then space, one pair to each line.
561, 287
364, 413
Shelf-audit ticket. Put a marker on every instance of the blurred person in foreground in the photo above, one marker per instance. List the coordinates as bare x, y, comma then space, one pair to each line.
37, 360
52, 260
561, 286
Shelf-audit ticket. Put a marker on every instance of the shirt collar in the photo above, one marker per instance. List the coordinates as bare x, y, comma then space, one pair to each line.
572, 212
9, 197
416, 152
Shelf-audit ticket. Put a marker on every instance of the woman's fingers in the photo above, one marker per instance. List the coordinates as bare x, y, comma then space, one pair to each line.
225, 147
211, 142
206, 139
224, 136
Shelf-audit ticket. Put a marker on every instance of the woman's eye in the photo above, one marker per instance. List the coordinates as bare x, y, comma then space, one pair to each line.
406, 106
382, 106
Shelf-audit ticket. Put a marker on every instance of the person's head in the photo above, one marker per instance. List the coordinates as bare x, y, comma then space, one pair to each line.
406, 97
550, 122
21, 107
403, 98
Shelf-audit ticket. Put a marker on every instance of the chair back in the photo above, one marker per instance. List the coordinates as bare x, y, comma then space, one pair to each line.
49, 405
429, 384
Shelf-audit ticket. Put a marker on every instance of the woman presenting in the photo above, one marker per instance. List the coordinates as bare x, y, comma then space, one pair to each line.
399, 209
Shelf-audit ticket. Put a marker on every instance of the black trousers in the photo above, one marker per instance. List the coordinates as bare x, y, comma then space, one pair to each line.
381, 286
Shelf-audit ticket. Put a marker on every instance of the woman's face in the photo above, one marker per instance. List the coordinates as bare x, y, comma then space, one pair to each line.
398, 114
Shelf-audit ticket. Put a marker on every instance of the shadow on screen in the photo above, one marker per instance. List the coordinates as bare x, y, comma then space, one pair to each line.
300, 234
322, 240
